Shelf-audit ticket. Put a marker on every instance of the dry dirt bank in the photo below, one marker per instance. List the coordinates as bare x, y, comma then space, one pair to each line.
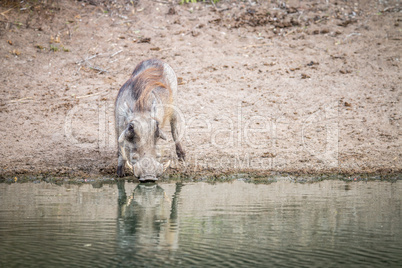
306, 86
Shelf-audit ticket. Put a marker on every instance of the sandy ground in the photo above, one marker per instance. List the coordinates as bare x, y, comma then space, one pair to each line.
306, 86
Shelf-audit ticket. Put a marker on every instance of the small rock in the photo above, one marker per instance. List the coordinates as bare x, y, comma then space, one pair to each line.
334, 34
324, 31
172, 11
346, 23
345, 71
15, 52
311, 63
144, 40
291, 10
195, 33
268, 155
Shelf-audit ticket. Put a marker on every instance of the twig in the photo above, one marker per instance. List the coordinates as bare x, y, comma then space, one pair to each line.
352, 34
213, 3
392, 9
162, 2
292, 31
90, 95
69, 31
78, 71
114, 54
26, 98
87, 59
98, 69
224, 9
122, 22
301, 13
122, 16
261, 45
3, 13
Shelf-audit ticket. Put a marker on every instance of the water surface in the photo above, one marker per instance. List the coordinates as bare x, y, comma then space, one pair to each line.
233, 224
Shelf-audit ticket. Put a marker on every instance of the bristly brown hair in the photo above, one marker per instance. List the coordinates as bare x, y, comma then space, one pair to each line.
144, 83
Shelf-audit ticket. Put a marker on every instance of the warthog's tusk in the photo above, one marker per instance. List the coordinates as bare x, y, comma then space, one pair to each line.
130, 166
121, 137
166, 165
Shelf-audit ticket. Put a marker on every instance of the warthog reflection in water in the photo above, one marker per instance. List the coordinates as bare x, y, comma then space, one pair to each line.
147, 219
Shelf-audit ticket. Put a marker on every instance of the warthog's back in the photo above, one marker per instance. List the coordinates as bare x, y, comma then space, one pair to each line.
168, 72
145, 73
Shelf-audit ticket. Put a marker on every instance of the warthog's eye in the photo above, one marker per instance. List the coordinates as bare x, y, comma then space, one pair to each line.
130, 133
135, 156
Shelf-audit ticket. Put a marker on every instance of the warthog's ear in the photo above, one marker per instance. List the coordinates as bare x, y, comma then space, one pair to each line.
159, 133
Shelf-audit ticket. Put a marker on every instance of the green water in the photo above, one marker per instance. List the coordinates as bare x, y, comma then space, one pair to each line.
232, 224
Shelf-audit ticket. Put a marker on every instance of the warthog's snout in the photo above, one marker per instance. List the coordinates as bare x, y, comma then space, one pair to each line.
148, 169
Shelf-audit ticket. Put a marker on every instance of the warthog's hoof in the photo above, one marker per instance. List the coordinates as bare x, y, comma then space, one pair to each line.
120, 171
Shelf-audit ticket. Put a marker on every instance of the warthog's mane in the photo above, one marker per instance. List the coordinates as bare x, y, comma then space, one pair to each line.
145, 80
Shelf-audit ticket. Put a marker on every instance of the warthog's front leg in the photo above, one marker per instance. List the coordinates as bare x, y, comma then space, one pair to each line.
120, 164
175, 133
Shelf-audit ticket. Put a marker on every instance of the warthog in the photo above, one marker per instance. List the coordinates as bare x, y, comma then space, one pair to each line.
143, 105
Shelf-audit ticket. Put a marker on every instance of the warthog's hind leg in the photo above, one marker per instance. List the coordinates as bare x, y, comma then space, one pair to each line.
175, 133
